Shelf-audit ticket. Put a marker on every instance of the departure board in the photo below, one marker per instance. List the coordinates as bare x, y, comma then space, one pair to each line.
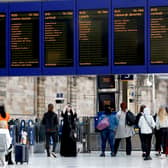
93, 37
2, 40
129, 36
106, 81
159, 35
25, 39
59, 38
106, 99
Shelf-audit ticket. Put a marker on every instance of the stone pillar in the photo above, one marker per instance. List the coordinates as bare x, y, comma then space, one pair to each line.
40, 96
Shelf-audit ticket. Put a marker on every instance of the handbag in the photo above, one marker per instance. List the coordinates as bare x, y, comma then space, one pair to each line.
103, 124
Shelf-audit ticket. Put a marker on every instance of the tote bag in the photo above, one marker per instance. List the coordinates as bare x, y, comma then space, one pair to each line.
103, 124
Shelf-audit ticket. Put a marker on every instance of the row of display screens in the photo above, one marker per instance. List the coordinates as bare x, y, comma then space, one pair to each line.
128, 35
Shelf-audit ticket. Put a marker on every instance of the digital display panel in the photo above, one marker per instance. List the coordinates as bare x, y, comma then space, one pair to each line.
2, 40
93, 37
106, 99
129, 36
159, 35
106, 81
25, 39
59, 38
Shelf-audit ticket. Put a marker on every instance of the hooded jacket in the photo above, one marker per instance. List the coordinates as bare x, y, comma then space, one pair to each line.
50, 121
146, 126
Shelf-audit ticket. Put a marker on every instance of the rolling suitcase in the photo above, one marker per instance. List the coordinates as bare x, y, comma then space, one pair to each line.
21, 154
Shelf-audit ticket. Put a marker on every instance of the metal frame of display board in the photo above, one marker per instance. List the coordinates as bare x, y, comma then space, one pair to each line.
128, 69
92, 5
155, 68
4, 9
25, 7
59, 5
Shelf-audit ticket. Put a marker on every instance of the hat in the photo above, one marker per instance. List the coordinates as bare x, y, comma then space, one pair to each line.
146, 111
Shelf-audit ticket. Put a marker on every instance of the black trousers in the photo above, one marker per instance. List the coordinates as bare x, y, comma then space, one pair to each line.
147, 138
128, 145
158, 140
8, 157
164, 139
50, 135
142, 143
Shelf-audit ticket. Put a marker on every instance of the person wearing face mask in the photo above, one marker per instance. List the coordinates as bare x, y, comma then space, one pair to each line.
124, 131
146, 125
68, 137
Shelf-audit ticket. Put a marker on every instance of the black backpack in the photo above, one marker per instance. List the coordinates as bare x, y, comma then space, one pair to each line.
130, 119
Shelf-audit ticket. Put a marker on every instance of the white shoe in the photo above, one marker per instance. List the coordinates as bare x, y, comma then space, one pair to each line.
53, 154
4, 164
163, 156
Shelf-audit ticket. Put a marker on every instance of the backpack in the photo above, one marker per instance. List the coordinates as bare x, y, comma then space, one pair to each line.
130, 119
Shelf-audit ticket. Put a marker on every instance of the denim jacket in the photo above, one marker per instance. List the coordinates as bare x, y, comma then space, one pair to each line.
112, 120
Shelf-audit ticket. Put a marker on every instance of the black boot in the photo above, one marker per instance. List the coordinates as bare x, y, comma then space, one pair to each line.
10, 162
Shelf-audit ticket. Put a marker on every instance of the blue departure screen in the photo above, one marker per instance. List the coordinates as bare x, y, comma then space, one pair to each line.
2, 40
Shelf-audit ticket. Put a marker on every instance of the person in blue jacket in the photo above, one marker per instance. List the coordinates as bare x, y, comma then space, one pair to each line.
109, 133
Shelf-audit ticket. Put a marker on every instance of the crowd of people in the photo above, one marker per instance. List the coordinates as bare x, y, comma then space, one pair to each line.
113, 128
117, 129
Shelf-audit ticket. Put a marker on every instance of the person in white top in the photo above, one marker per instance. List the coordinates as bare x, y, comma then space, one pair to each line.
5, 132
146, 125
162, 125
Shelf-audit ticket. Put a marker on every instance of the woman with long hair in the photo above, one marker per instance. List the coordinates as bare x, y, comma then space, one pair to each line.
4, 117
162, 125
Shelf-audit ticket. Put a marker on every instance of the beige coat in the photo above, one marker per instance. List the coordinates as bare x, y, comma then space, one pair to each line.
123, 130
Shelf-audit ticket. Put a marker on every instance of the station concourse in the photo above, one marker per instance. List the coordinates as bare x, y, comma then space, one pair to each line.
84, 83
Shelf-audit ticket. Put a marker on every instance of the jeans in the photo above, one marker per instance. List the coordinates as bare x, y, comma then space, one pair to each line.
48, 139
147, 143
110, 136
128, 145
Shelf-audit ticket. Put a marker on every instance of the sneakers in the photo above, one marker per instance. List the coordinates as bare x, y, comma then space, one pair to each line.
148, 158
54, 154
102, 155
158, 154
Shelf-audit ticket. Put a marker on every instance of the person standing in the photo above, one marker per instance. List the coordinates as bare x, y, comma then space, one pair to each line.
68, 137
124, 131
162, 125
146, 125
5, 132
109, 133
5, 117
50, 121
140, 135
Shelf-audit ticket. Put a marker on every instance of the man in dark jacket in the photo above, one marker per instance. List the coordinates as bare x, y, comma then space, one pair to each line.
50, 121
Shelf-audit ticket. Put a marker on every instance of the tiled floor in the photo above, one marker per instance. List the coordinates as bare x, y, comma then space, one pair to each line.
94, 161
